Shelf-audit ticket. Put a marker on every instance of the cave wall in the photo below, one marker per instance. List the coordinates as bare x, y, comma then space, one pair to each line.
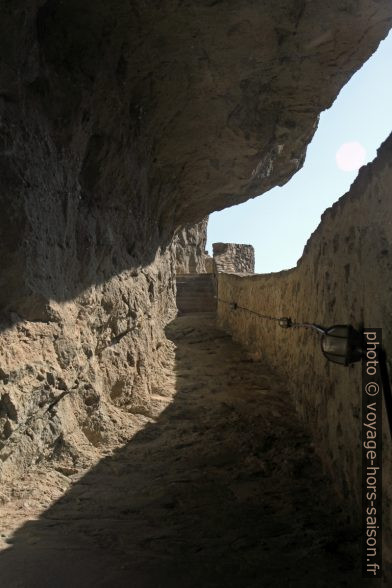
121, 123
72, 383
190, 248
343, 277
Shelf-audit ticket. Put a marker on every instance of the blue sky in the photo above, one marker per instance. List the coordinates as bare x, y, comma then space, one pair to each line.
279, 222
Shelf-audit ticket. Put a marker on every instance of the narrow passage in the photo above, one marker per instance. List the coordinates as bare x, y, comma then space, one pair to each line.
222, 490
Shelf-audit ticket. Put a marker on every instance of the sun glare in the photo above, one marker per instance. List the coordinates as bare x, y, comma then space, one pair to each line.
350, 156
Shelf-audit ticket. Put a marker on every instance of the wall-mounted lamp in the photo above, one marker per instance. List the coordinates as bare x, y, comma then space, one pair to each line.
340, 343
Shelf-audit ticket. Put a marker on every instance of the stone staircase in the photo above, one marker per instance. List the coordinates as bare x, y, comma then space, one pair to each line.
195, 293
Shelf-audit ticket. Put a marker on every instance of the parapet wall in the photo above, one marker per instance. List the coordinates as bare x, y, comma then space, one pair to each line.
344, 276
233, 258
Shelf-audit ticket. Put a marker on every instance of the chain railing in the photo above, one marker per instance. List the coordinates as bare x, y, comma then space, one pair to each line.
341, 344
284, 322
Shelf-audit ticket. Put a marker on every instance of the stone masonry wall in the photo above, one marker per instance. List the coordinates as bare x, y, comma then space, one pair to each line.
233, 258
344, 276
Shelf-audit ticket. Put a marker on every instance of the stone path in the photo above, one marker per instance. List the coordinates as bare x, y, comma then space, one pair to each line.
222, 490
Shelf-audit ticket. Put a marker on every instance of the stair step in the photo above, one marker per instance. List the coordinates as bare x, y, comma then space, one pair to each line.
195, 293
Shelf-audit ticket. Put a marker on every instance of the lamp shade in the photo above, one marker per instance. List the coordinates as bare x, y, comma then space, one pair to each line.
342, 344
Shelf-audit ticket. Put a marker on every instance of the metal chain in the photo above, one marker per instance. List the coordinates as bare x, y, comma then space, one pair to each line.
284, 322
235, 306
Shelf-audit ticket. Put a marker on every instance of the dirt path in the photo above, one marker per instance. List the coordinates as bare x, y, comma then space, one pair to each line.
222, 490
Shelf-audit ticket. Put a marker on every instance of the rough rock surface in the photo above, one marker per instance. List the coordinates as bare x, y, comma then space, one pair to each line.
233, 257
343, 277
190, 246
120, 123
70, 382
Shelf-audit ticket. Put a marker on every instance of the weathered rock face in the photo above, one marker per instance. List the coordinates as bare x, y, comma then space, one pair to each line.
72, 381
343, 277
233, 257
120, 123
190, 244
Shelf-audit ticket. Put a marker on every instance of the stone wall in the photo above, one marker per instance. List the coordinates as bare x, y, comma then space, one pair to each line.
190, 244
233, 258
344, 276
